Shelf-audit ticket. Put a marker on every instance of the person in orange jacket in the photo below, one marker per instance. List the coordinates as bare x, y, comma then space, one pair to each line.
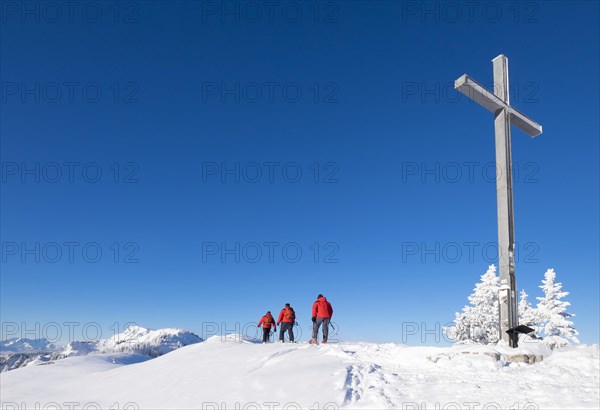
287, 318
267, 321
321, 315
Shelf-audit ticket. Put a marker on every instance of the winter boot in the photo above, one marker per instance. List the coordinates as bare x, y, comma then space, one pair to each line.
324, 341
313, 342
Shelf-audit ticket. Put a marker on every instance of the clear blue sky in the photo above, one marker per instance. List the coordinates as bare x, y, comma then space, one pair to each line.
179, 102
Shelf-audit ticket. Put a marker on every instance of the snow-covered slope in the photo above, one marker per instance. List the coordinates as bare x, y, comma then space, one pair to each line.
222, 373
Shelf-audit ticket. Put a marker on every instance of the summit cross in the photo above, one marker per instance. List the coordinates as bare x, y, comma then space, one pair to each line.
498, 103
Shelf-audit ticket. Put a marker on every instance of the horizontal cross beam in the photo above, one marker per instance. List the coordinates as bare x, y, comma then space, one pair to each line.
489, 101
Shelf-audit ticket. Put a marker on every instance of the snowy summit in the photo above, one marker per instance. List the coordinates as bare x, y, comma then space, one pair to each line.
235, 373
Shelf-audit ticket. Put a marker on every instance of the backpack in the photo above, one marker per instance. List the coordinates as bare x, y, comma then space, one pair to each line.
269, 320
290, 314
323, 307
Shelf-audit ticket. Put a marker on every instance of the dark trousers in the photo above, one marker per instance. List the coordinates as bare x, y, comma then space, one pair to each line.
266, 331
290, 329
316, 325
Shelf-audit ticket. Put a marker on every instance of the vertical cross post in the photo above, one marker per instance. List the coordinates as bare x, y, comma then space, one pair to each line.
504, 195
504, 115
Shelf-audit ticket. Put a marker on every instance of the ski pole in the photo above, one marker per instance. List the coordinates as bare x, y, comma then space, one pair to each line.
334, 329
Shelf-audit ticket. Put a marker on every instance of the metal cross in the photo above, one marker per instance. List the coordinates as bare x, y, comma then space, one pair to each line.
498, 102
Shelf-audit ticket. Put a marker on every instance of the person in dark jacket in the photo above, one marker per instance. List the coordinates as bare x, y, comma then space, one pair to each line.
267, 321
321, 315
286, 320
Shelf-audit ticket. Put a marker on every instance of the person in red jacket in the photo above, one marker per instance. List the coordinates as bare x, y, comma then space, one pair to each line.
286, 318
321, 315
267, 321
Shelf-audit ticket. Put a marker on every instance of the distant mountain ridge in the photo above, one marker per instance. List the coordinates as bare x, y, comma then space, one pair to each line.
24, 345
135, 339
19, 352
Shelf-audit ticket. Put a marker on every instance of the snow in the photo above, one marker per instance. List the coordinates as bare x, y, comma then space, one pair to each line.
224, 372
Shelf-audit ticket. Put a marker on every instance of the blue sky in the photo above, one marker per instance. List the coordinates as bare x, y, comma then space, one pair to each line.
227, 161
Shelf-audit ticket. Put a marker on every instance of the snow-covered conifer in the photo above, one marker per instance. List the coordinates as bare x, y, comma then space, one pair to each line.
479, 322
558, 330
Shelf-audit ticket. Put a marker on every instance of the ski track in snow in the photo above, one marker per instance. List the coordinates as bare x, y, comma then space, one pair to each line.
349, 375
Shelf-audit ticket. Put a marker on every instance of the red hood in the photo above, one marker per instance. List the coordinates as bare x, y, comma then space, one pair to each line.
322, 299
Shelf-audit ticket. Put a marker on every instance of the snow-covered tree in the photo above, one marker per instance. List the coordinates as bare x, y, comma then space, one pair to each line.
558, 330
478, 322
528, 316
527, 313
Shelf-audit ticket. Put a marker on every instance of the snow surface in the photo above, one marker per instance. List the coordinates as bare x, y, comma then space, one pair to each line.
224, 373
